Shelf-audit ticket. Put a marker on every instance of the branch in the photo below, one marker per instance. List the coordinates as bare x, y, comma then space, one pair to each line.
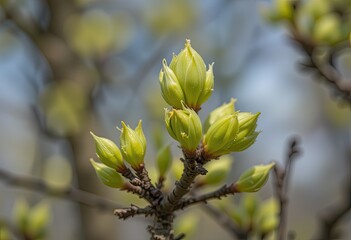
282, 177
217, 194
337, 212
69, 193
124, 213
325, 70
191, 169
164, 211
152, 193
225, 222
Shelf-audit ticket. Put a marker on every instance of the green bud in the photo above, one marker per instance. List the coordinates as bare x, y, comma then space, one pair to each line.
268, 207
20, 214
177, 169
220, 136
107, 175
247, 124
244, 143
327, 29
217, 171
250, 203
190, 70
267, 216
140, 133
187, 224
133, 145
284, 9
268, 224
246, 135
253, 179
4, 233
220, 112
208, 86
164, 160
38, 220
185, 127
172, 92
108, 153
238, 216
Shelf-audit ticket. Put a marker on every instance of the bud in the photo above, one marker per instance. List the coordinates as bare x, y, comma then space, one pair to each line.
20, 214
4, 233
267, 216
268, 224
244, 143
208, 86
246, 135
268, 207
327, 29
190, 71
250, 203
187, 224
282, 10
164, 160
172, 92
185, 127
177, 169
133, 145
220, 112
107, 175
253, 179
220, 136
238, 216
216, 171
38, 220
108, 153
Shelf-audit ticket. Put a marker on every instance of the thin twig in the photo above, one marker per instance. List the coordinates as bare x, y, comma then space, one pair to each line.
217, 194
124, 213
336, 213
70, 193
282, 177
225, 222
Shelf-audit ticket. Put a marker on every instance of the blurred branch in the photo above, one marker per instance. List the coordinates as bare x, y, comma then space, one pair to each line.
282, 178
225, 222
324, 69
69, 193
329, 221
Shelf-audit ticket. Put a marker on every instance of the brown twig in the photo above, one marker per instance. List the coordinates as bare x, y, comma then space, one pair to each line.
282, 177
70, 193
225, 222
164, 215
124, 213
217, 194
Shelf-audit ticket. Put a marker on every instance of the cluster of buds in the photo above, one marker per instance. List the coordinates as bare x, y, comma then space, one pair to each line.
32, 222
186, 79
186, 85
133, 147
316, 20
259, 219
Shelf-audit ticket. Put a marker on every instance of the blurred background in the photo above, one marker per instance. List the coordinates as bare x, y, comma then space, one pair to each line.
68, 67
